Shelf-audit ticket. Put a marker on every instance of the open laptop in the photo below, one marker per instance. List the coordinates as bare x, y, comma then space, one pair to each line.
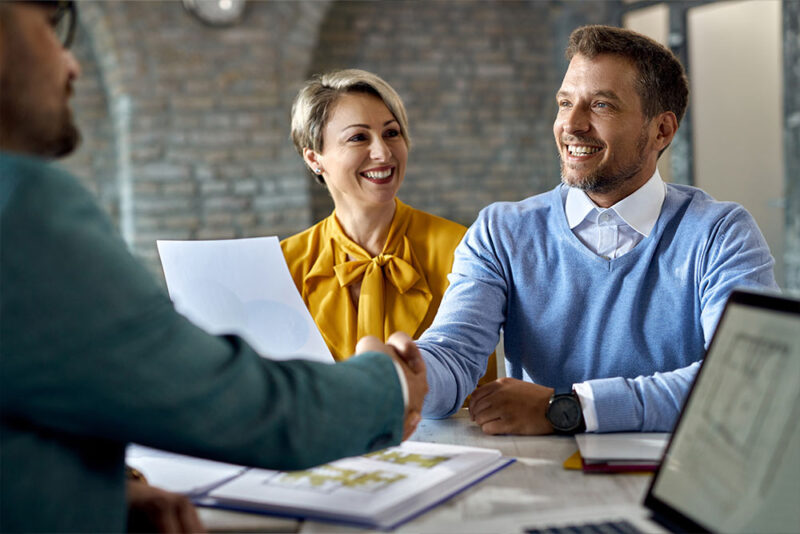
733, 463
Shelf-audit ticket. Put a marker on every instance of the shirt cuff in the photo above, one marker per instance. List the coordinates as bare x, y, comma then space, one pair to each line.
586, 396
401, 376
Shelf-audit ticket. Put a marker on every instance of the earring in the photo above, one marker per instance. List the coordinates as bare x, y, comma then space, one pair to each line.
317, 171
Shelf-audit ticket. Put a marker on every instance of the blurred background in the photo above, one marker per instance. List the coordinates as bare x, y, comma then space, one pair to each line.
184, 106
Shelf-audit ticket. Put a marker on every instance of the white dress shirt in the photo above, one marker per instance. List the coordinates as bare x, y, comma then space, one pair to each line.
610, 233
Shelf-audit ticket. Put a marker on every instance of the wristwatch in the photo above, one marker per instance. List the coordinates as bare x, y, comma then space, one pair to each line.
565, 413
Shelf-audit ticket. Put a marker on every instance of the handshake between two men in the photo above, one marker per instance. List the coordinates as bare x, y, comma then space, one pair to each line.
504, 406
406, 355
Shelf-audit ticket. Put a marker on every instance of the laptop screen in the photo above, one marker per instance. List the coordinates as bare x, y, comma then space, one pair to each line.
733, 464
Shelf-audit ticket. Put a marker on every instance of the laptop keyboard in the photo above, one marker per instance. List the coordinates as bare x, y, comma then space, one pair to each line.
604, 527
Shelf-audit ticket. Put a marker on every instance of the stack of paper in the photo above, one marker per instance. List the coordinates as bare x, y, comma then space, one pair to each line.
623, 451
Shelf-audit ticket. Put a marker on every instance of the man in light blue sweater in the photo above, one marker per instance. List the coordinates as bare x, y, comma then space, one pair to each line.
608, 287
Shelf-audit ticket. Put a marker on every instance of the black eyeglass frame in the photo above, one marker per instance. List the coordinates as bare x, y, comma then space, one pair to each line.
65, 8
66, 12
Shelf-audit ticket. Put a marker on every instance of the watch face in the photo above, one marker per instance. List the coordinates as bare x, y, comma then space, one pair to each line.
564, 413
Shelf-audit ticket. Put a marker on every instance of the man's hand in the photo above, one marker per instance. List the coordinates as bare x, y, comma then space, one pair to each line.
151, 509
404, 351
511, 406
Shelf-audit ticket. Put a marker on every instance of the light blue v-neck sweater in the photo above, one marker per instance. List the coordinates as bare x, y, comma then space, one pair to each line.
633, 326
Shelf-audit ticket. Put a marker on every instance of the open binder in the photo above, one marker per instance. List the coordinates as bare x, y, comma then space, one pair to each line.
378, 490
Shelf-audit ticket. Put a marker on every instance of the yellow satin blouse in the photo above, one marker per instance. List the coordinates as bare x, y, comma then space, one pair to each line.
401, 288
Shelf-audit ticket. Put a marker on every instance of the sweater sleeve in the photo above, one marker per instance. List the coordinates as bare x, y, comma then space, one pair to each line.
736, 256
91, 346
465, 332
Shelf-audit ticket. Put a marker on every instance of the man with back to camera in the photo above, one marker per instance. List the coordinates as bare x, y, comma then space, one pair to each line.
608, 287
94, 356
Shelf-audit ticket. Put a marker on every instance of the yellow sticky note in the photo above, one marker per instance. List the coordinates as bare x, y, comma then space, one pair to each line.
574, 461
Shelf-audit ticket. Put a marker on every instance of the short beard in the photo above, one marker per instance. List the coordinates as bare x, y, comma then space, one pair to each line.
603, 180
39, 135
67, 141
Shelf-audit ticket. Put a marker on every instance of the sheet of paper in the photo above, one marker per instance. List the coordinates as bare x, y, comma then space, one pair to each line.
242, 286
622, 446
178, 473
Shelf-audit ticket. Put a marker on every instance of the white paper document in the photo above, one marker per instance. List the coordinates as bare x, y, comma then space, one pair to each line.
179, 473
243, 287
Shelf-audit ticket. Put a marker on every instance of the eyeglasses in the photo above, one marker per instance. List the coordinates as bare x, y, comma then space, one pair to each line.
64, 21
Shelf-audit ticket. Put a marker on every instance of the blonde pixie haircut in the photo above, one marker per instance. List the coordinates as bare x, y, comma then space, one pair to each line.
312, 105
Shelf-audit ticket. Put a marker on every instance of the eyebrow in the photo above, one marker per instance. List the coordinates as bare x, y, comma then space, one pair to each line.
610, 95
367, 125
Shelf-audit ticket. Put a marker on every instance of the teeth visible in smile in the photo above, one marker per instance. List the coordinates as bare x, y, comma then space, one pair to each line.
378, 175
582, 150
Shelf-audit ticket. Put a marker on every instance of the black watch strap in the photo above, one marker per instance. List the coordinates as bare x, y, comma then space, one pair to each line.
582, 423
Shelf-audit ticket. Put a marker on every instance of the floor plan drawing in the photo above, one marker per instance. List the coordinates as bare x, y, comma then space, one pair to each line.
329, 478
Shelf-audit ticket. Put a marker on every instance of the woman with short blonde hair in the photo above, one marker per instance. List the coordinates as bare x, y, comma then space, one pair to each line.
375, 265
312, 104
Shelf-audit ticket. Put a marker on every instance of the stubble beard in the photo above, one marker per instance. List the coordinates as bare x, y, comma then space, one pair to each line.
67, 138
604, 179
28, 130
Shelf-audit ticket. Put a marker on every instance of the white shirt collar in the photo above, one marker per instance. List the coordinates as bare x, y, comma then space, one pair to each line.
640, 209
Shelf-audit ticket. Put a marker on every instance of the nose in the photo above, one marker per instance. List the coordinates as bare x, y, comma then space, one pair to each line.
575, 120
379, 150
73, 66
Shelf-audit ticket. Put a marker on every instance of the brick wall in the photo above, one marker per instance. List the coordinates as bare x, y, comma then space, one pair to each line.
479, 81
186, 126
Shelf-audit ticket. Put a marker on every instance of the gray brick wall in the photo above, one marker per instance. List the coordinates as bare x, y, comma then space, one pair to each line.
478, 79
186, 126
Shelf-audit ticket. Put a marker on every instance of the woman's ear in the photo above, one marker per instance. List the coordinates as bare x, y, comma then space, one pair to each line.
312, 159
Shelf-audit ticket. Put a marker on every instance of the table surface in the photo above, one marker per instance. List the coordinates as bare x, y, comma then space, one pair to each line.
536, 482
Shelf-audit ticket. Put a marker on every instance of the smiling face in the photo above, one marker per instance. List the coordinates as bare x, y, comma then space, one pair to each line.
363, 160
36, 76
607, 146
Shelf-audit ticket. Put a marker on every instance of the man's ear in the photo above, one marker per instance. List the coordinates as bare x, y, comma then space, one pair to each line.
312, 159
666, 127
